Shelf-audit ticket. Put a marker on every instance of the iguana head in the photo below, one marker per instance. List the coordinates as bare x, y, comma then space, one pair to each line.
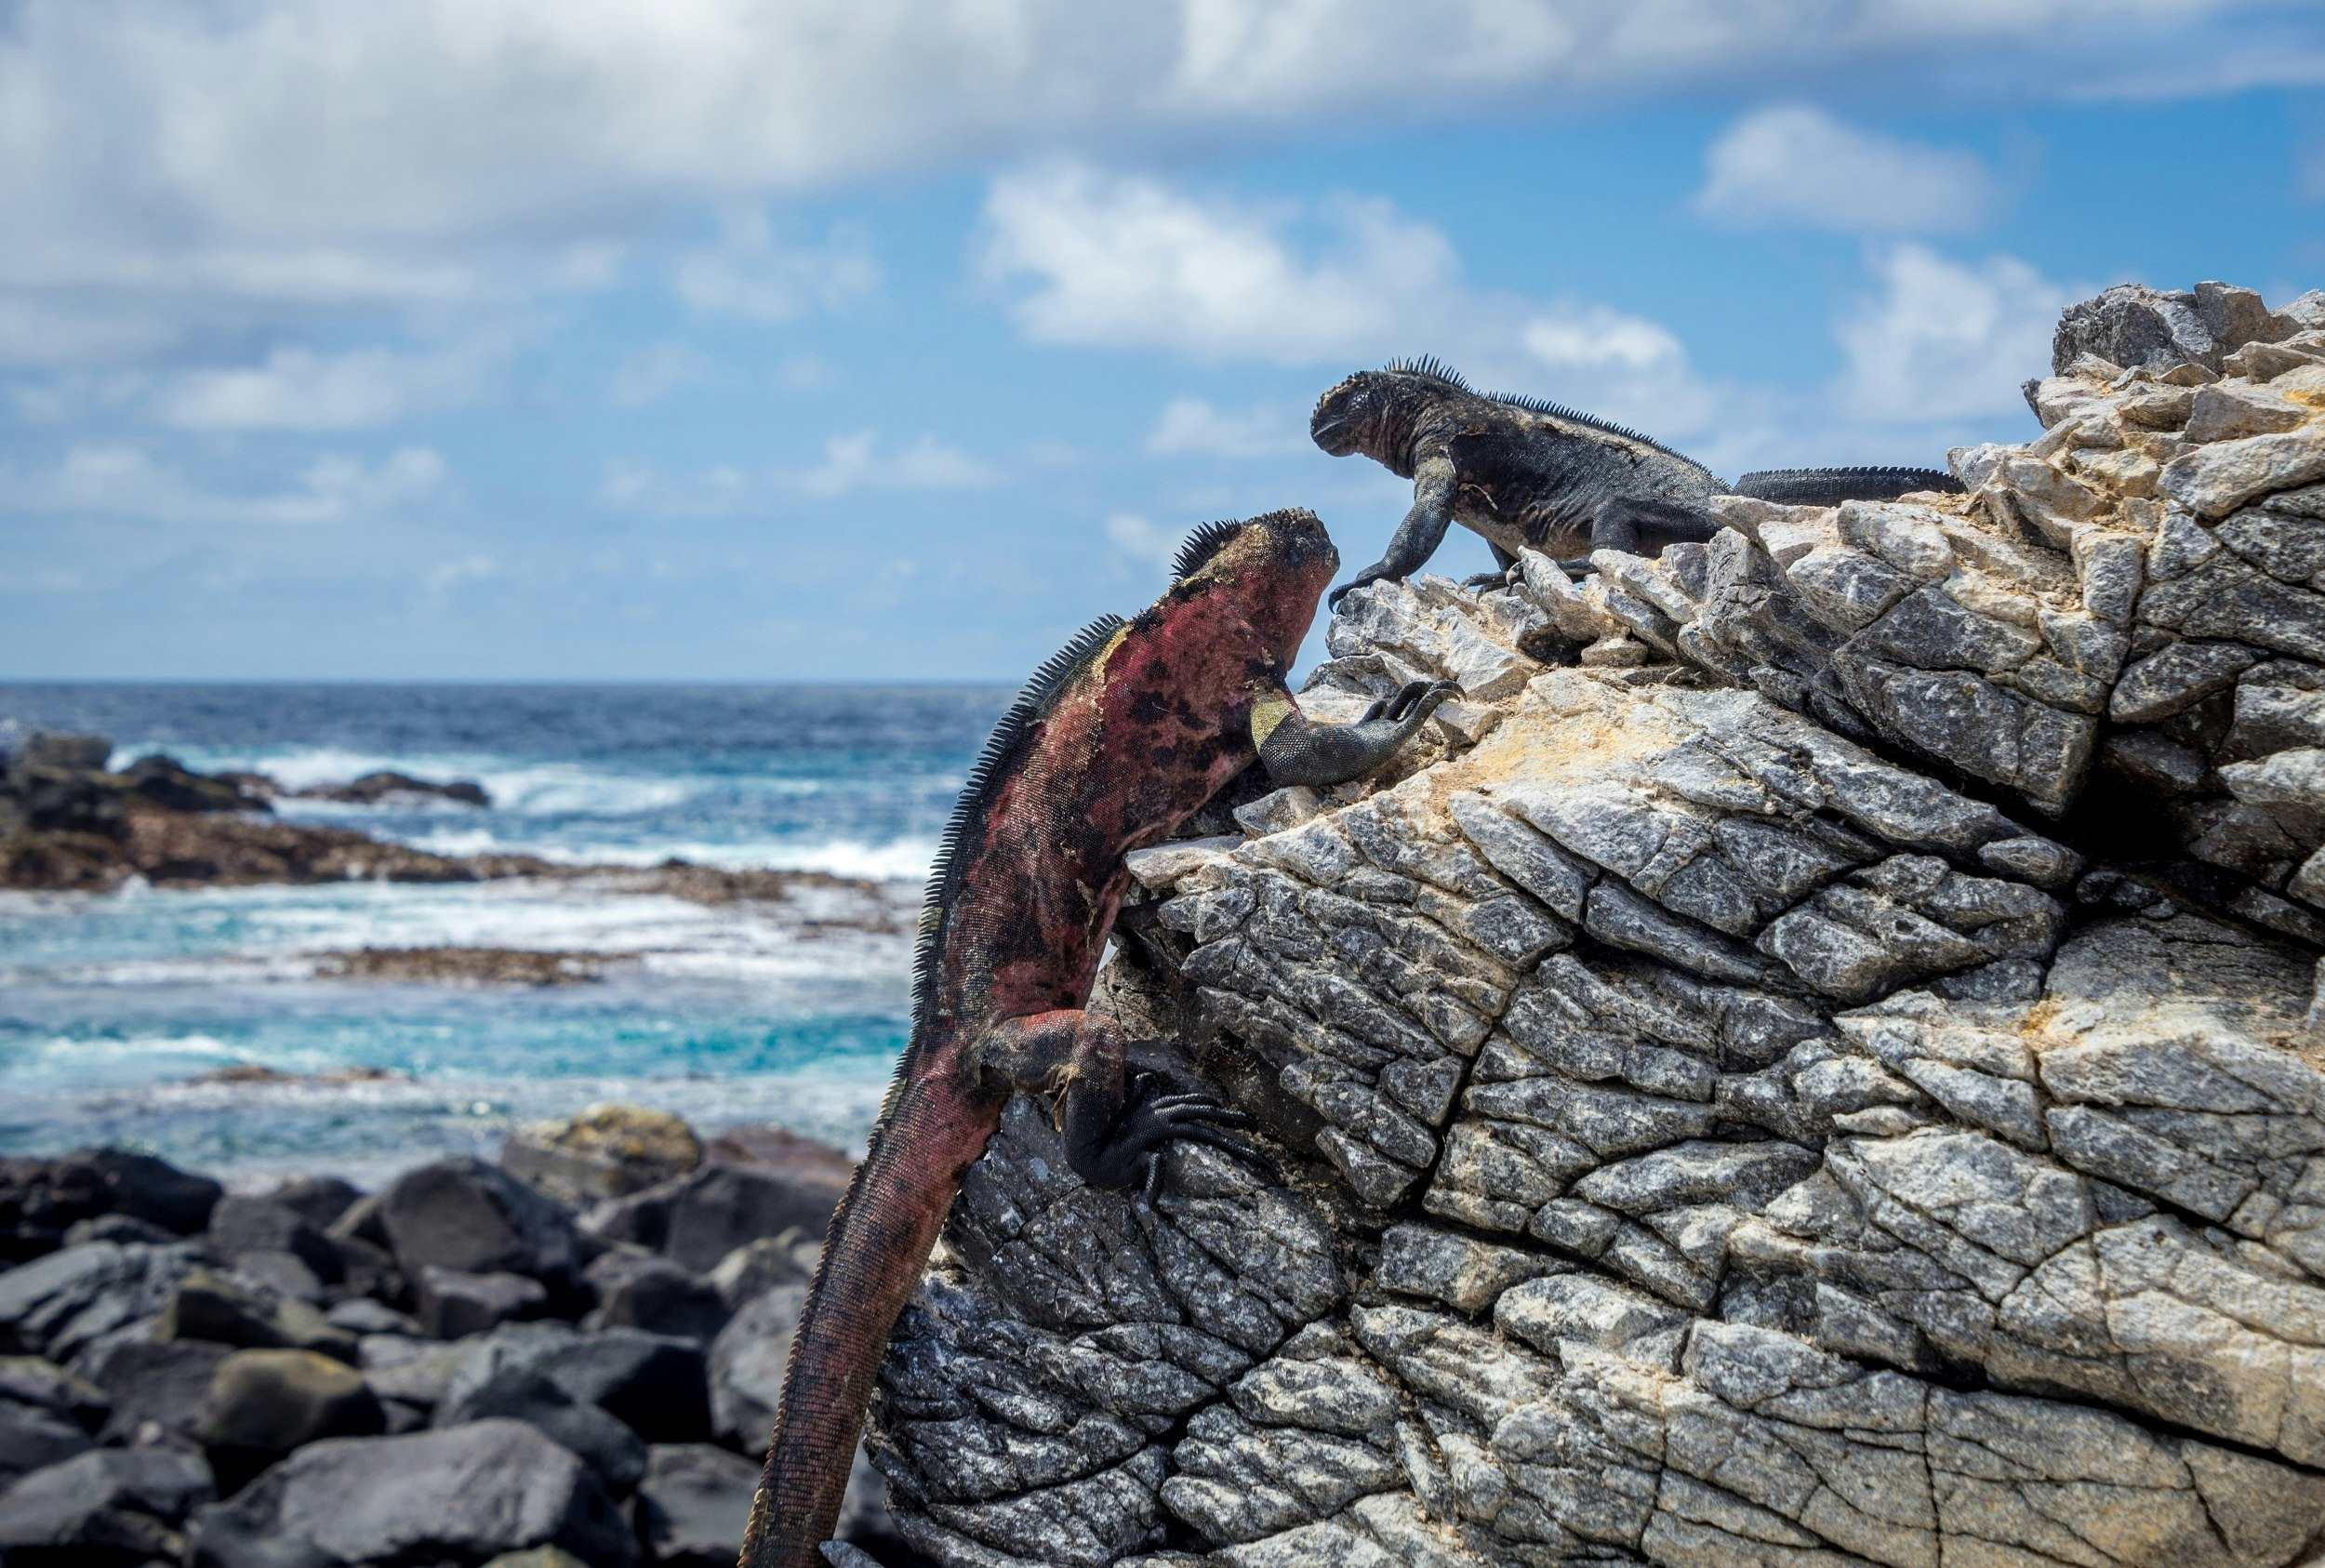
1274, 568
1373, 411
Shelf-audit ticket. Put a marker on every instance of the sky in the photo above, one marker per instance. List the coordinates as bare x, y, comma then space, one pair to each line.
863, 341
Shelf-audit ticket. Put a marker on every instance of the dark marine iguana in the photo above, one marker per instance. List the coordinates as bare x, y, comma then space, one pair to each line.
1533, 474
1116, 740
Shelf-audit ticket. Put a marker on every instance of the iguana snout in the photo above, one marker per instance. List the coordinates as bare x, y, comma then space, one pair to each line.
1345, 415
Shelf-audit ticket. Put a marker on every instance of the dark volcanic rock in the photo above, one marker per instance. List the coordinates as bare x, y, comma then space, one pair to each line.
240, 1225
695, 1503
454, 1304
168, 784
147, 1189
654, 1295
373, 788
40, 1200
318, 1199
57, 1304
118, 1228
466, 1215
698, 1218
271, 1401
29, 1380
32, 1437
209, 1306
146, 1380
113, 1506
746, 1366
616, 1452
757, 1267
655, 1384
460, 1495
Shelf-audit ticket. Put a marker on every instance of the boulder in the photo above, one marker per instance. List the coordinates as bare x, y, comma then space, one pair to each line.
271, 1401
30, 1381
617, 1454
318, 1199
652, 1383
698, 1218
695, 1503
411, 1371
240, 1225
32, 1437
56, 1305
227, 1312
156, 1190
279, 1275
1724, 1125
42, 1200
746, 1366
654, 1295
605, 1152
148, 1380
362, 1315
757, 1267
454, 1304
113, 1506
117, 1227
466, 1215
464, 1495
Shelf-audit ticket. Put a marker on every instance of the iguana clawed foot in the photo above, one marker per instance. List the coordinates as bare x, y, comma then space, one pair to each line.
1486, 582
1131, 1151
1396, 708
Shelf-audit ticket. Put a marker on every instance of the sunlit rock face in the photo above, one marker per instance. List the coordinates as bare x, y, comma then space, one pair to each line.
1811, 1061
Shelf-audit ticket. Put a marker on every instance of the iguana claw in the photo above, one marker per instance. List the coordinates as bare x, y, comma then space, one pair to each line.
1132, 1149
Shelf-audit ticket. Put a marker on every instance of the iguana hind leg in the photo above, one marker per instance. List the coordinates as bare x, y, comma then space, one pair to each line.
1642, 527
1115, 1127
1499, 576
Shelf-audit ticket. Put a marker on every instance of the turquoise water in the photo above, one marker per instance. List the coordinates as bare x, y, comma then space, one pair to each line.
112, 1008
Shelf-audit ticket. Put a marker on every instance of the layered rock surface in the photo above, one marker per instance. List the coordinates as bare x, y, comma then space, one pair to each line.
1811, 1061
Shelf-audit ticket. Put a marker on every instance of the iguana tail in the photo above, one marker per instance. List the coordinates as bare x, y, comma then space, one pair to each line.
1830, 487
879, 1244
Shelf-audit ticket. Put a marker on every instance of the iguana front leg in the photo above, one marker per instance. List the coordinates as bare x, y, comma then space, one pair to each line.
1114, 1132
1297, 750
1418, 536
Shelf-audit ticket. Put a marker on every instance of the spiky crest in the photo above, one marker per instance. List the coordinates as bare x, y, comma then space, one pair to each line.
1432, 366
1206, 540
1446, 376
1001, 748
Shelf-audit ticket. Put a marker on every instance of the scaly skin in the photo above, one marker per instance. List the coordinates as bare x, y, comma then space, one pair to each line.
1108, 753
1531, 475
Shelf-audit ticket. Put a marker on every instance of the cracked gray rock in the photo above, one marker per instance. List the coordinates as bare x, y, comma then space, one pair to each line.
1814, 1059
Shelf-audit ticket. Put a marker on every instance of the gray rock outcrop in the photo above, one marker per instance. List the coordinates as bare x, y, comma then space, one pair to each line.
1812, 1061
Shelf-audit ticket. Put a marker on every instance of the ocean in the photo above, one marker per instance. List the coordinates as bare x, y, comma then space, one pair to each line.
118, 1011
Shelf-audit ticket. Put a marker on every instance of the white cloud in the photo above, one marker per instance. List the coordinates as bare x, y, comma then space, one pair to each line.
1944, 340
1192, 427
166, 163
747, 273
1124, 262
298, 389
1141, 541
655, 372
121, 481
1121, 261
854, 462
1794, 163
851, 463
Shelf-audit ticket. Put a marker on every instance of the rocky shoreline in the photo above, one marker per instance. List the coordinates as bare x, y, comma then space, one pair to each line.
68, 823
570, 1358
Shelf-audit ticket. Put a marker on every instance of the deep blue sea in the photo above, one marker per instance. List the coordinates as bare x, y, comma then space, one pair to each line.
113, 1006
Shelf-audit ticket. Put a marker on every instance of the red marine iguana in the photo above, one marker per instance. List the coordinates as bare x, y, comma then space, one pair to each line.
1531, 474
1115, 741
